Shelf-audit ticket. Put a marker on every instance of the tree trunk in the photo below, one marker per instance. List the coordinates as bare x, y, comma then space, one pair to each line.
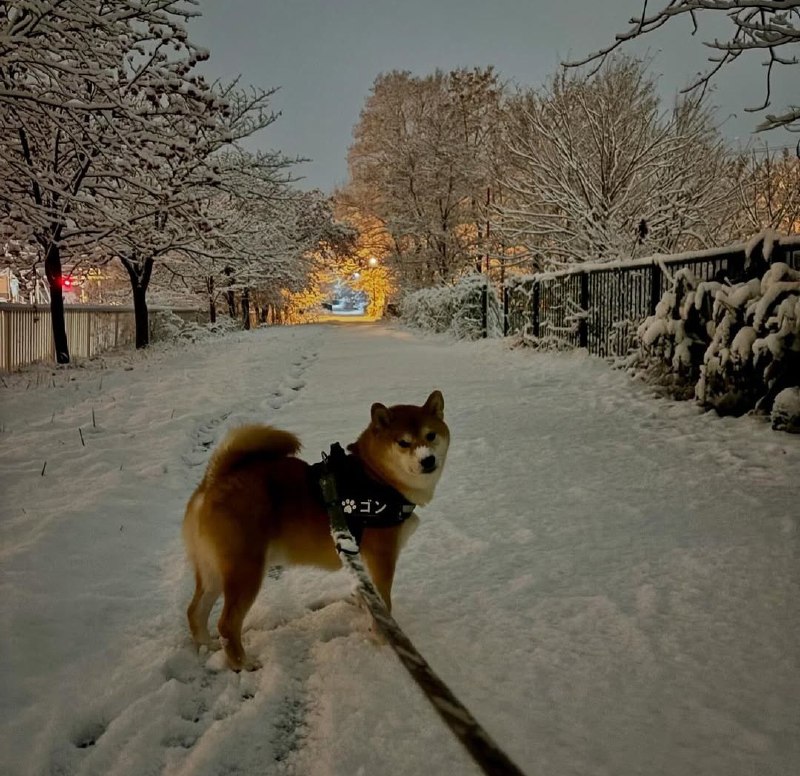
212, 306
229, 295
52, 268
246, 309
141, 316
139, 273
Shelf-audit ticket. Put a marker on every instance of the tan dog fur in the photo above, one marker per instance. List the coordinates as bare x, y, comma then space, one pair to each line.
257, 506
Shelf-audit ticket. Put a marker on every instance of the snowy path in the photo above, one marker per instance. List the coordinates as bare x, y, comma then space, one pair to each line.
609, 581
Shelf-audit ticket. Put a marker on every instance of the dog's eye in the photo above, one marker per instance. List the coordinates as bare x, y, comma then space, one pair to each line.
430, 436
403, 443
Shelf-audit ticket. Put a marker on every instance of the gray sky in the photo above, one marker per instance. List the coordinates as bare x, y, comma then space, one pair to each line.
325, 54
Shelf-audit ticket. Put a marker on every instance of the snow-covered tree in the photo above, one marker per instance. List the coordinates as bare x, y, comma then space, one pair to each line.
770, 27
598, 171
319, 241
161, 212
420, 166
260, 237
87, 88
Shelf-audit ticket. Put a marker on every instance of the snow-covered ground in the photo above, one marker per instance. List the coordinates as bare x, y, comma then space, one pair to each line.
608, 580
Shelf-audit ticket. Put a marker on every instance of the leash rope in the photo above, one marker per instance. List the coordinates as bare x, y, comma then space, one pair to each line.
483, 749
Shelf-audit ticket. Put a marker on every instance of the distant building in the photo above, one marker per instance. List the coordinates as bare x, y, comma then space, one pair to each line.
9, 286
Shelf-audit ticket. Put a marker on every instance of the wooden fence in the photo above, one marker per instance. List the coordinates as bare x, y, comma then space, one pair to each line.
26, 333
600, 306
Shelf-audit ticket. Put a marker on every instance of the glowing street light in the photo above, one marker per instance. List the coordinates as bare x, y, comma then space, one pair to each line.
373, 262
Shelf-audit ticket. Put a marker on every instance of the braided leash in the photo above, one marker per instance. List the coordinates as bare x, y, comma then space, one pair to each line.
486, 753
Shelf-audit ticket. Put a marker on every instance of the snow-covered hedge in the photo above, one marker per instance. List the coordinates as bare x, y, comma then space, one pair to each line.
734, 347
455, 309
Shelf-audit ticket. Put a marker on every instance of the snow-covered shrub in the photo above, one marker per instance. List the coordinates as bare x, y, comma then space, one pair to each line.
166, 326
754, 353
733, 347
456, 309
673, 340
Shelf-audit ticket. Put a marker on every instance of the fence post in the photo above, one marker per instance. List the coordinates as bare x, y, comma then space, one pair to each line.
583, 326
535, 298
9, 332
735, 268
655, 287
485, 310
506, 294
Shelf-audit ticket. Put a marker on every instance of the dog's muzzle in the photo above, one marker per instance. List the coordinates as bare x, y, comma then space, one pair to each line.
428, 464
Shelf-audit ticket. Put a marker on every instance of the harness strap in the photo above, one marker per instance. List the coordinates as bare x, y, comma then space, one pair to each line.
365, 501
483, 749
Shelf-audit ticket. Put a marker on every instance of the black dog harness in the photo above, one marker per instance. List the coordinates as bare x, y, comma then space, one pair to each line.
365, 502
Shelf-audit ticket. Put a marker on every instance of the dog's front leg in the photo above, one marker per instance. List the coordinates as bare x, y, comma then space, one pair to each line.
381, 562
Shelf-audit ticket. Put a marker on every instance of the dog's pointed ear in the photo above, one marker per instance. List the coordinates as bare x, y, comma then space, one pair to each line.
381, 415
434, 404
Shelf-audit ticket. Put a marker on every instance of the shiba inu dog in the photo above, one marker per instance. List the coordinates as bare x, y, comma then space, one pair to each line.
259, 505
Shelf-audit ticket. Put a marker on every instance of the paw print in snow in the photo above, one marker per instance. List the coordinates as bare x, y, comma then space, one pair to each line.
348, 505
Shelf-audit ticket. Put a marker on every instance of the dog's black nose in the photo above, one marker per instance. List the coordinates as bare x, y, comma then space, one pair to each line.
428, 463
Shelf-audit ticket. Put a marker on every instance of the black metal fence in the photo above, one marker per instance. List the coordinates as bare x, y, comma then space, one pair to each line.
600, 307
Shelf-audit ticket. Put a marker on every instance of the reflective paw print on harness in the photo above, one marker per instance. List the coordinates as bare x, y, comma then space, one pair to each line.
349, 506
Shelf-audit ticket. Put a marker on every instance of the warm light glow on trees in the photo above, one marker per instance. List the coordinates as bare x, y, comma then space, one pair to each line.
305, 305
420, 166
375, 280
769, 194
369, 265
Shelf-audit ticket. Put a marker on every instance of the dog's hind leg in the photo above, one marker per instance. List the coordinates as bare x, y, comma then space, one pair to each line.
240, 590
199, 610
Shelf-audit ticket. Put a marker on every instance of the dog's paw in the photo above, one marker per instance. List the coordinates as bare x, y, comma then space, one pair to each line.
249, 664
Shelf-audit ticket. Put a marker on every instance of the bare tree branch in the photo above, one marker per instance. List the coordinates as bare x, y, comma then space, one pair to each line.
758, 25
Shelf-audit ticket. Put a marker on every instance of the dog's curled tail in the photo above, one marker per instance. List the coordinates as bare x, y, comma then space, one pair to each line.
249, 442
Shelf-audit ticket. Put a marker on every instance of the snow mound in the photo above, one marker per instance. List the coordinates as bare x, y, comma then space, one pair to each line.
786, 411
